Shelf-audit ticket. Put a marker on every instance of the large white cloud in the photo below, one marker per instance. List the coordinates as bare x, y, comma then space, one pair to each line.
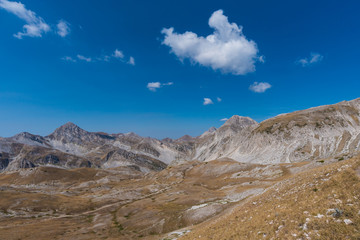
260, 87
35, 26
227, 49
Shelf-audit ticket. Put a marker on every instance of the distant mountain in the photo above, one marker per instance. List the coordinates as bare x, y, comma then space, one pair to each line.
186, 138
322, 132
70, 146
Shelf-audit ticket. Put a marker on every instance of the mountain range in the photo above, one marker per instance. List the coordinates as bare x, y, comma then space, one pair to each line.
307, 135
294, 176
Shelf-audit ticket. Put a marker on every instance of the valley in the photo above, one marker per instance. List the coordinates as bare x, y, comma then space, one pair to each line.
75, 184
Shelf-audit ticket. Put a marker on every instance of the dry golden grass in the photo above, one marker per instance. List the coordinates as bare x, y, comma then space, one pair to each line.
300, 207
49, 175
79, 207
51, 203
317, 118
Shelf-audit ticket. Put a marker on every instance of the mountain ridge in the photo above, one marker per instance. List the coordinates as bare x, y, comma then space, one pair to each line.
101, 183
305, 135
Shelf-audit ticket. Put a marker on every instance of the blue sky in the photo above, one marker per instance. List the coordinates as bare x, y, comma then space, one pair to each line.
58, 62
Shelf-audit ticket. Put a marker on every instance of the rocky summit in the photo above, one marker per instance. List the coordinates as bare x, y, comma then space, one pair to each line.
75, 184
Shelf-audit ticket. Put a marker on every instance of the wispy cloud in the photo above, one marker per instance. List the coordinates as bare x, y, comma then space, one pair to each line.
314, 58
117, 54
35, 25
104, 58
63, 28
131, 61
224, 119
86, 59
153, 86
207, 101
227, 49
68, 59
262, 59
259, 87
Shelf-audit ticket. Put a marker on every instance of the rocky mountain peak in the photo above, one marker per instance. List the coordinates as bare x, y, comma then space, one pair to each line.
167, 140
185, 138
28, 138
239, 121
68, 129
69, 126
212, 129
132, 135
23, 135
208, 132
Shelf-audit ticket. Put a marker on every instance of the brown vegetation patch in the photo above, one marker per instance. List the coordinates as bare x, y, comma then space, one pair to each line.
300, 207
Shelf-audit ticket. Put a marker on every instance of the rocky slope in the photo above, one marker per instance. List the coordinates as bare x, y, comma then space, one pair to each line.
320, 203
69, 146
316, 133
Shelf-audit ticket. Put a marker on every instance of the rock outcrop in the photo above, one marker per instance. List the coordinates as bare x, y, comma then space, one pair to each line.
316, 133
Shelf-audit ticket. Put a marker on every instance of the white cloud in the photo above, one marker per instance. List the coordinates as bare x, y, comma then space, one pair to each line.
262, 59
153, 86
224, 119
86, 59
69, 59
168, 84
35, 26
118, 54
227, 49
218, 99
63, 28
103, 58
208, 101
314, 58
131, 61
259, 87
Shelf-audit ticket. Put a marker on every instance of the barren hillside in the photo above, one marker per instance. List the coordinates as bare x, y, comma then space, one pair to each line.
321, 203
291, 176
